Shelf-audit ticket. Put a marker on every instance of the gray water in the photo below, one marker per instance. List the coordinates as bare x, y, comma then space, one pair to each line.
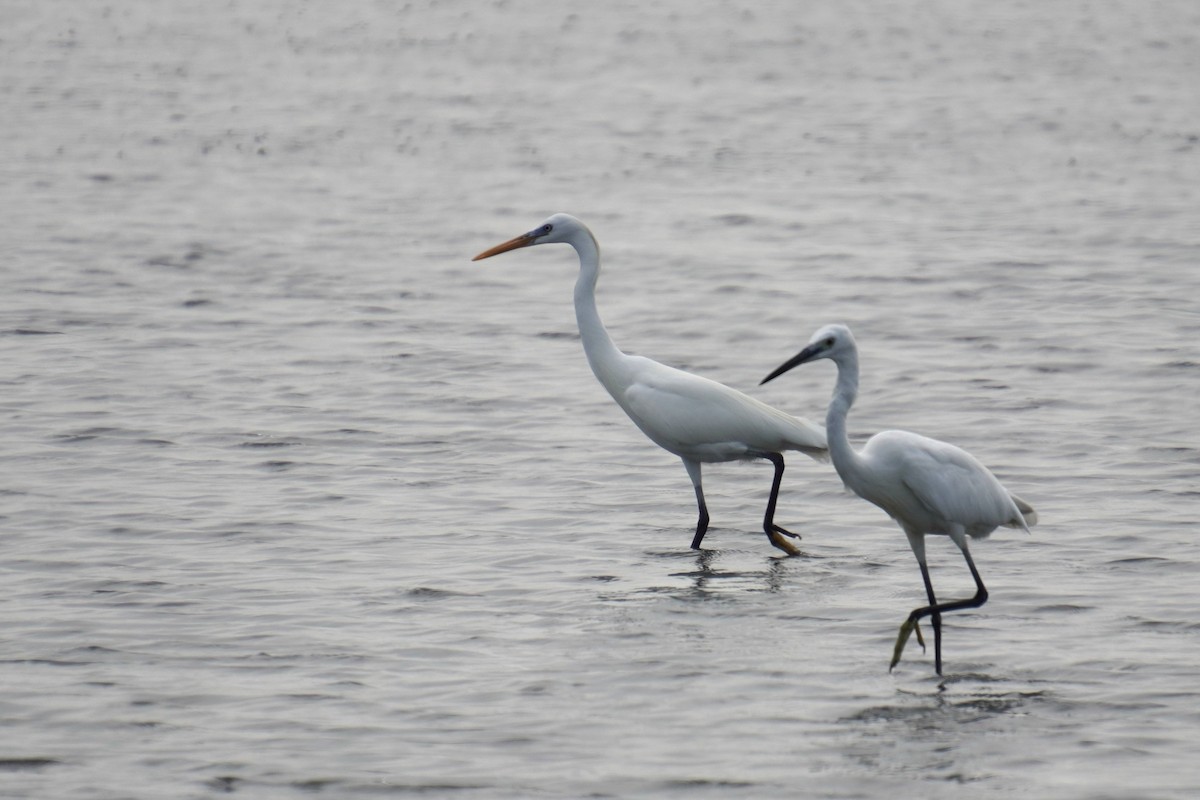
298, 501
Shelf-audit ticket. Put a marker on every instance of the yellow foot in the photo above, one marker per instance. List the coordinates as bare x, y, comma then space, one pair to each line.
783, 544
906, 630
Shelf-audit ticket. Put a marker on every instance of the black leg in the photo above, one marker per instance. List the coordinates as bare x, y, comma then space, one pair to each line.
935, 610
935, 617
769, 525
702, 523
693, 471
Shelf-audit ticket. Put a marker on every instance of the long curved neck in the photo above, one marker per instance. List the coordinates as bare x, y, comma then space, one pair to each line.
845, 460
602, 354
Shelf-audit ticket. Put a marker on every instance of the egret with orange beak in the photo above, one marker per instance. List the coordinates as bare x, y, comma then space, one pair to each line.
697, 419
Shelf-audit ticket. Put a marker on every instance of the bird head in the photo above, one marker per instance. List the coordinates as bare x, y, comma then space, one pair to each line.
558, 228
831, 341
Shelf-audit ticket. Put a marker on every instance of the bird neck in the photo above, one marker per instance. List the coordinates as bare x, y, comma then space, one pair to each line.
845, 459
602, 354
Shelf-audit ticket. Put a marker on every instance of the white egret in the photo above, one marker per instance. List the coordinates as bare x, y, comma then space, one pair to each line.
925, 485
695, 418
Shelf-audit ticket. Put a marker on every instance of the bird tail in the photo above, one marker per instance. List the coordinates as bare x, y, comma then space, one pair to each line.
801, 434
809, 439
815, 453
1026, 510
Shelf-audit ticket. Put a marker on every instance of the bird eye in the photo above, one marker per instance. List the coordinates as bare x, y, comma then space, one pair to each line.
547, 228
829, 342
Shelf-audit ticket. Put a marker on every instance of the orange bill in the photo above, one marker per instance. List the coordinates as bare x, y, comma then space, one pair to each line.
524, 240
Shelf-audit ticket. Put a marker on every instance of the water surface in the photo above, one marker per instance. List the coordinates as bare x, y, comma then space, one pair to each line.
297, 501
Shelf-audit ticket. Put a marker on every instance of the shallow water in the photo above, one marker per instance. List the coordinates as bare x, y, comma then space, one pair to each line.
299, 501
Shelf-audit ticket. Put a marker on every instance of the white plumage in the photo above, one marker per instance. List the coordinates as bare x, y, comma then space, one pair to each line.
927, 486
697, 419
